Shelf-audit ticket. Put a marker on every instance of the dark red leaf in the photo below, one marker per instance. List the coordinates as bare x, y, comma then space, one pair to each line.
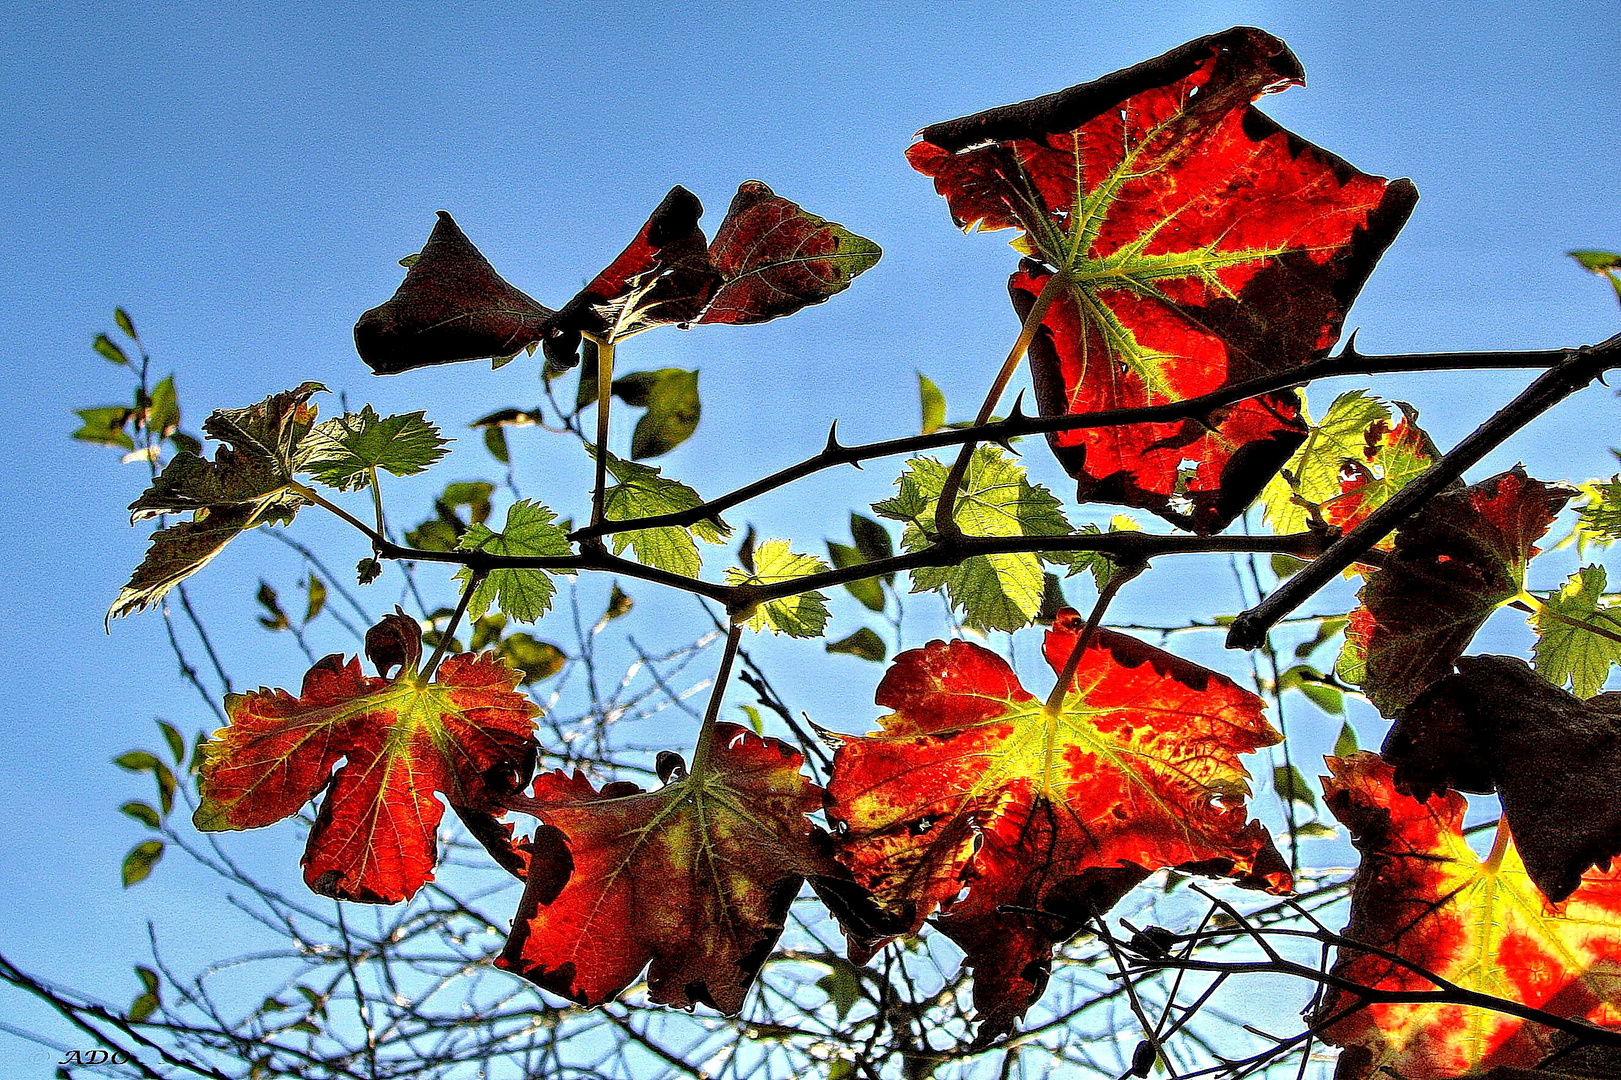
1453, 564
1199, 243
452, 306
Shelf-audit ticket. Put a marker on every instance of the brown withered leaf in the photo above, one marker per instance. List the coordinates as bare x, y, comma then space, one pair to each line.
1554, 759
451, 306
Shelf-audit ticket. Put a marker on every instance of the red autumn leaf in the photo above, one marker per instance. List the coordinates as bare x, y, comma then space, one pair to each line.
467, 735
695, 878
1422, 894
1195, 244
1046, 820
1452, 565
1391, 457
451, 306
775, 258
770, 258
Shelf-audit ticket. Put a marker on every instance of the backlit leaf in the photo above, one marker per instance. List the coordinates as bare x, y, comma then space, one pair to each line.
1424, 895
1047, 818
994, 592
864, 643
467, 736
931, 403
803, 615
246, 484
105, 426
870, 591
522, 594
1453, 564
670, 396
343, 452
694, 879
1601, 515
163, 412
1578, 635
451, 306
109, 351
642, 491
775, 258
1199, 243
139, 862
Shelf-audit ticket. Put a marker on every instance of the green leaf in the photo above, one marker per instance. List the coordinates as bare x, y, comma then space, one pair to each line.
163, 413
872, 540
151, 997
104, 345
537, 659
1286, 566
670, 396
1597, 261
248, 483
1327, 629
473, 494
177, 743
1315, 830
1289, 784
1346, 744
143, 813
864, 643
994, 592
932, 404
619, 603
343, 452
755, 720
495, 441
642, 491
521, 594
274, 618
804, 615
315, 589
368, 570
1313, 473
137, 761
1309, 681
141, 859
121, 317
842, 985
867, 590
1568, 651
1600, 516
104, 426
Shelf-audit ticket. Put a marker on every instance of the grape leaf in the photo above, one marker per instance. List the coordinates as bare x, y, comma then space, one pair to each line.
1453, 564
642, 491
1198, 243
467, 735
343, 452
775, 258
769, 258
804, 615
524, 594
864, 643
1497, 726
670, 396
1422, 894
246, 484
451, 306
1601, 515
1352, 461
1578, 636
995, 592
695, 878
105, 426
1047, 818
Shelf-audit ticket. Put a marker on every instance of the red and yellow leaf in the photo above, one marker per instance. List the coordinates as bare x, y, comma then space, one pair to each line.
1452, 565
695, 878
1422, 894
1045, 819
1192, 243
467, 735
451, 306
1391, 457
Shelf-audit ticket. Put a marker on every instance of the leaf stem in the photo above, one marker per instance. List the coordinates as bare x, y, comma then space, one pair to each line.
309, 494
945, 523
706, 731
1094, 622
474, 579
605, 379
377, 503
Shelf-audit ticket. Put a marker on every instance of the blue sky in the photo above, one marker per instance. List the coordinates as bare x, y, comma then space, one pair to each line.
243, 183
